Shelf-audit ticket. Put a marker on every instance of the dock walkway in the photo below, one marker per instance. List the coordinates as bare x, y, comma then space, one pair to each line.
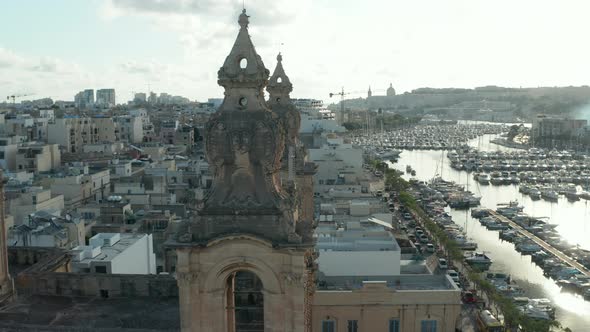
542, 243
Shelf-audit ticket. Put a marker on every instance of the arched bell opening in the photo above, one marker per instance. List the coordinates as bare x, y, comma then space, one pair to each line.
245, 302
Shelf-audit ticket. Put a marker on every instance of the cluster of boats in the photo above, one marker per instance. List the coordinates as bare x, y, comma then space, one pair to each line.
540, 308
434, 205
455, 195
553, 192
566, 276
539, 174
471, 159
426, 137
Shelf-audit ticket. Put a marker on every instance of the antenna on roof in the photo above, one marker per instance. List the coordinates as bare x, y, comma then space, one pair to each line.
243, 4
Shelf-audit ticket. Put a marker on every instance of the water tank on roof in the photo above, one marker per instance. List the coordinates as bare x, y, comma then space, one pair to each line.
114, 198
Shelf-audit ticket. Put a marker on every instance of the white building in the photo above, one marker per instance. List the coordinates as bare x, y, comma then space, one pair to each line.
130, 128
339, 163
357, 249
116, 253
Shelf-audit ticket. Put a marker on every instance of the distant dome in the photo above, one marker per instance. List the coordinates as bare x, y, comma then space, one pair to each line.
390, 90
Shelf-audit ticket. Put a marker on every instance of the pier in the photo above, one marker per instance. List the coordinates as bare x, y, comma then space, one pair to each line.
565, 258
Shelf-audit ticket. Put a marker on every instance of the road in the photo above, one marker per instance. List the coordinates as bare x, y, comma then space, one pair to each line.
543, 244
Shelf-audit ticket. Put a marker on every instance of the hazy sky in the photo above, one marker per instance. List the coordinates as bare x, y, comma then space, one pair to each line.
56, 48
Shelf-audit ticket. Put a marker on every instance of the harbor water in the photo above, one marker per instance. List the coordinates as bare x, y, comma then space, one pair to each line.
572, 218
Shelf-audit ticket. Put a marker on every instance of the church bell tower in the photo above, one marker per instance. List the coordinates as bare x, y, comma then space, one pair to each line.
245, 262
6, 285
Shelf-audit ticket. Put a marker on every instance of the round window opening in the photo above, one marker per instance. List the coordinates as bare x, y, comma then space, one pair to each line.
243, 63
278, 100
279, 80
243, 101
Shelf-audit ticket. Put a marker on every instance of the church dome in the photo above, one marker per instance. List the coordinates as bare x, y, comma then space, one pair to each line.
390, 90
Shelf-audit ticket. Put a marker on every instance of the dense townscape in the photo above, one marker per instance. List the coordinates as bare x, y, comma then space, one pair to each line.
435, 210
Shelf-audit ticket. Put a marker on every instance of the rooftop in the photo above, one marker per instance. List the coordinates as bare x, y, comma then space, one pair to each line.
53, 313
401, 282
110, 244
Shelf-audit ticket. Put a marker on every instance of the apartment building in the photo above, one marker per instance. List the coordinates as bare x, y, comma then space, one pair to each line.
38, 157
72, 133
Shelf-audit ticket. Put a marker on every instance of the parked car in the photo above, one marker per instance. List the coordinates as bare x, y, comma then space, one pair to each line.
424, 239
469, 297
442, 264
454, 275
430, 247
407, 216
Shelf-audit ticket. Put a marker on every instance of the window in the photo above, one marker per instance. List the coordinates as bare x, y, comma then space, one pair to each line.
394, 325
328, 326
100, 269
245, 302
353, 325
428, 326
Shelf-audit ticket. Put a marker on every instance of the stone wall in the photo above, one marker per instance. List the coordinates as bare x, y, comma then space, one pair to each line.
97, 285
45, 271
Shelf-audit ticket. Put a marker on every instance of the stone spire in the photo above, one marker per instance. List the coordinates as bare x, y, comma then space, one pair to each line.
243, 139
243, 74
279, 85
369, 93
279, 88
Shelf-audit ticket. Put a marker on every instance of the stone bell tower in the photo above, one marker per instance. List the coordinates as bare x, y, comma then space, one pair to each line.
243, 262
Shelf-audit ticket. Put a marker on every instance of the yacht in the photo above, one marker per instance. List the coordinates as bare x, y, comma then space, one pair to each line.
479, 260
550, 195
527, 248
497, 181
483, 179
571, 196
525, 189
535, 193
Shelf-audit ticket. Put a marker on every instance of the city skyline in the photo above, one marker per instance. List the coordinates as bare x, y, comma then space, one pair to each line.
175, 46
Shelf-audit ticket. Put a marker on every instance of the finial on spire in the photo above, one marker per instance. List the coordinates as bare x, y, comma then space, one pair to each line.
243, 19
279, 57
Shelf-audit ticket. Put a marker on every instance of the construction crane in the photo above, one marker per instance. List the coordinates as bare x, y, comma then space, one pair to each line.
342, 94
14, 96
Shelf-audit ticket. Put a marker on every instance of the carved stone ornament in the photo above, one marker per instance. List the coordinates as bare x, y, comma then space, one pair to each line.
292, 278
186, 277
244, 140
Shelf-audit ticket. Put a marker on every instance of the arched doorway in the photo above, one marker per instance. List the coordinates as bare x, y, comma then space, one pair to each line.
245, 302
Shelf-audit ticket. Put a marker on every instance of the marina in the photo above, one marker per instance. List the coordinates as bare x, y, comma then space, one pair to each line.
567, 218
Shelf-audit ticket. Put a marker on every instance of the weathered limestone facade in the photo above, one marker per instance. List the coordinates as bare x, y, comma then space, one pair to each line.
203, 273
6, 284
250, 223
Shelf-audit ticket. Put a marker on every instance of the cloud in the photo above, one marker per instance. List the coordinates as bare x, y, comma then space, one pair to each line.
269, 12
151, 68
9, 59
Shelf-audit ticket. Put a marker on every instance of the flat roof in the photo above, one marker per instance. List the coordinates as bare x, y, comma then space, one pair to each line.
108, 253
416, 282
